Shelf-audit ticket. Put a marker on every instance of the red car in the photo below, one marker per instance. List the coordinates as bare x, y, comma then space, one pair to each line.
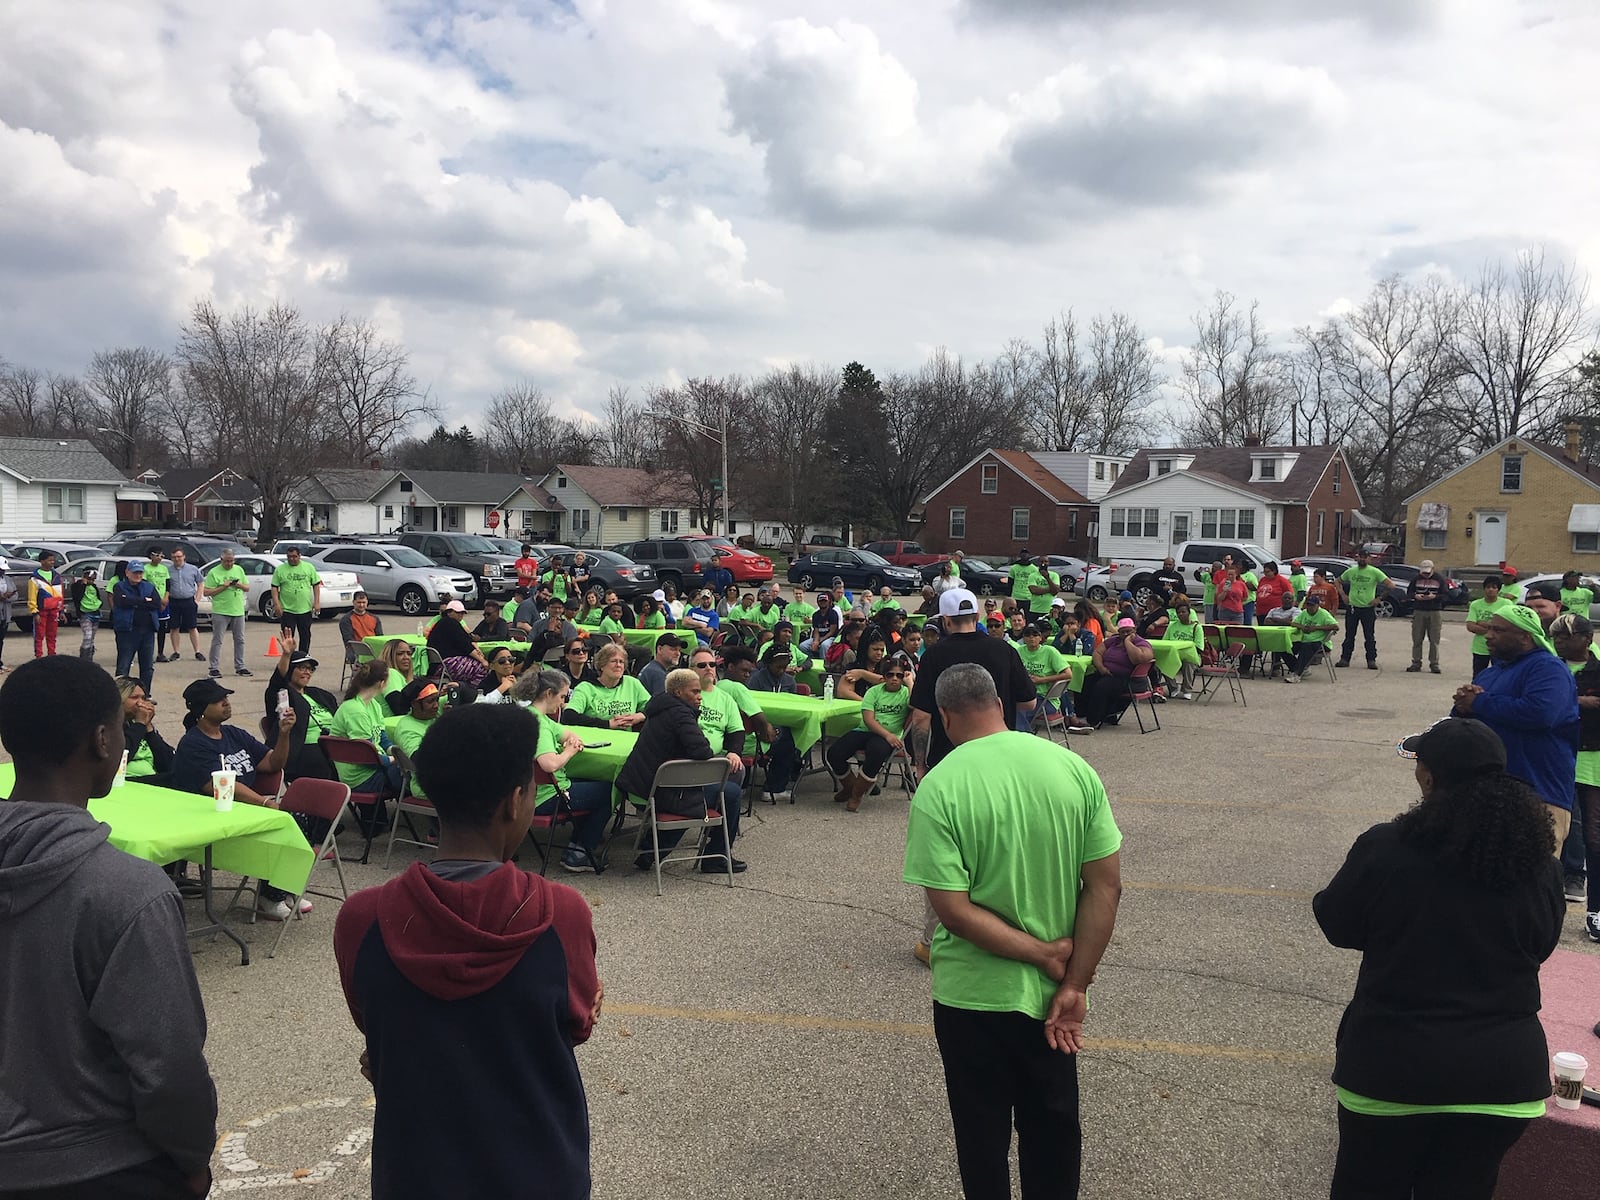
905, 554
746, 565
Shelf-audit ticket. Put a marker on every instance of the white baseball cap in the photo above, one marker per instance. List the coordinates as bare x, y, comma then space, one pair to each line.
658, 594
958, 602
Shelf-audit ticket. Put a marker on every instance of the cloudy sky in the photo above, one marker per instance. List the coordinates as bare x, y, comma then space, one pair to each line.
582, 192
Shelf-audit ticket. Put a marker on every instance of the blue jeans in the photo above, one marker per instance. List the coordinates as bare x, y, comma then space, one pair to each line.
591, 810
1572, 850
383, 779
1249, 612
131, 642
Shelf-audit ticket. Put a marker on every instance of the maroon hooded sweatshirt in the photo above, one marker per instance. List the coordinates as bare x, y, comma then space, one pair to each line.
472, 983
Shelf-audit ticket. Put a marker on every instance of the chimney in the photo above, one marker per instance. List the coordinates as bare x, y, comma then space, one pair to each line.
1573, 441
1252, 439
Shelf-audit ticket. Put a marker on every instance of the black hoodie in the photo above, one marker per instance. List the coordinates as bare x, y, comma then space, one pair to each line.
104, 1065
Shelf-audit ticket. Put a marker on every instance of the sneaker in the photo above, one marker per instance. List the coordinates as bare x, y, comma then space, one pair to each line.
214, 673
1413, 668
1343, 662
1186, 696
279, 910
1435, 670
1576, 887
242, 671
786, 794
924, 953
578, 864
1083, 729
1591, 926
1372, 666
1291, 679
199, 658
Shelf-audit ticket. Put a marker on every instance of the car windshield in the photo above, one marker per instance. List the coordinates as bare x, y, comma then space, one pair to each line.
609, 558
868, 558
1259, 553
474, 545
505, 545
975, 564
405, 556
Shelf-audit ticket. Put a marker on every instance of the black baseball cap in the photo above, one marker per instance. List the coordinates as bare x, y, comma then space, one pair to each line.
670, 639
203, 692
1545, 589
1457, 746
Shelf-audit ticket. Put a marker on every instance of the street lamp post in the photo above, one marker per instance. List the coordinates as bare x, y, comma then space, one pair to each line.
720, 434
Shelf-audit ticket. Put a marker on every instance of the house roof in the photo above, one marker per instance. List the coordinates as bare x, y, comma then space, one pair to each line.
56, 460
182, 482
1588, 472
627, 487
541, 497
1231, 466
350, 484
455, 487
1027, 466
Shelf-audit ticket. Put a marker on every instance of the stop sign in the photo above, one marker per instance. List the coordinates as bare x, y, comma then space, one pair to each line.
494, 519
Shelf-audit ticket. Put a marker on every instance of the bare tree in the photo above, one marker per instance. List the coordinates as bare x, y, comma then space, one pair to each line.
131, 384
793, 482
73, 411
629, 438
24, 403
1124, 378
261, 379
1520, 334
518, 426
692, 419
374, 397
190, 440
1230, 379
1063, 400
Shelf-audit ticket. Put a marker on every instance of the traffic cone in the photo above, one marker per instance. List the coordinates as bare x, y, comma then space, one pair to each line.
272, 648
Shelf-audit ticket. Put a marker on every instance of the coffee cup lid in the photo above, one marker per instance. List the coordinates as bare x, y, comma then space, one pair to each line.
1567, 1060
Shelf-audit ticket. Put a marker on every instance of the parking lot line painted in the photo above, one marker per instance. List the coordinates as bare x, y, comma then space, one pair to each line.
733, 1016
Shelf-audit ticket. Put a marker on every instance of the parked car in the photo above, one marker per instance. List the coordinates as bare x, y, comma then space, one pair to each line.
390, 573
748, 566
1192, 560
619, 573
197, 548
1066, 568
1591, 582
675, 561
495, 572
1396, 602
65, 552
904, 554
1334, 565
823, 541
978, 574
338, 586
858, 568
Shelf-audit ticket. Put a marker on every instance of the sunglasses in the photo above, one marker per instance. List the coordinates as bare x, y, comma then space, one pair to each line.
894, 674
579, 653
501, 662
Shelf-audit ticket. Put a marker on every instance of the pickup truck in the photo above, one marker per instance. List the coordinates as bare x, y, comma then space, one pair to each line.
1192, 560
904, 554
494, 573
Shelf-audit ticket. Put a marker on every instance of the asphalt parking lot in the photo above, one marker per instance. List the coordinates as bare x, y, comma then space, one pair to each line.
774, 1039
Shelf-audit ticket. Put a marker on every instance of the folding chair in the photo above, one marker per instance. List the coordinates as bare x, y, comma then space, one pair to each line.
1245, 636
408, 805
761, 758
1226, 667
321, 799
1140, 687
1325, 657
354, 752
692, 774
550, 822
1041, 711
355, 654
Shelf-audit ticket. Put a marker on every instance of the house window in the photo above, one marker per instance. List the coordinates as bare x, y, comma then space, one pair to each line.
406, 485
1269, 468
1072, 525
1322, 516
669, 520
1338, 478
1152, 522
1226, 518
1019, 524
388, 511
1094, 530
1247, 524
1511, 472
1099, 470
580, 520
1116, 469
622, 514
1272, 522
64, 504
1163, 466
1208, 522
1118, 517
1435, 539
958, 522
561, 481
1582, 543
991, 479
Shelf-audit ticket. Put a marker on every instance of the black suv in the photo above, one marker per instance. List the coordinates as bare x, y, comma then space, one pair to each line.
679, 563
198, 548
495, 573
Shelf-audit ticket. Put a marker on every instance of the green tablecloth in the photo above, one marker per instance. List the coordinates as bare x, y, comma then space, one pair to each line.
1269, 637
1172, 653
376, 644
163, 826
808, 716
602, 762
1082, 665
638, 637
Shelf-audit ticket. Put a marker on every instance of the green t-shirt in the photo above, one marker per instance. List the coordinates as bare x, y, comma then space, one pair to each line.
955, 568
1009, 819
1023, 577
1511, 591
1039, 606
1249, 580
656, 620
142, 761
231, 602
1479, 612
1361, 583
1299, 583
396, 683
891, 708
1368, 1107
748, 707
408, 734
629, 696
1208, 590
1316, 627
550, 733
610, 625
799, 615
1194, 631
321, 719
558, 586
740, 613
360, 719
768, 618
294, 584
157, 575
719, 716
1046, 660
1577, 600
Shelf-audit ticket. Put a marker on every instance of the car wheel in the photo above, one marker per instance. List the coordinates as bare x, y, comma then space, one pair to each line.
1098, 594
986, 589
269, 610
1069, 583
413, 601
1142, 591
873, 583
1385, 607
807, 582
672, 577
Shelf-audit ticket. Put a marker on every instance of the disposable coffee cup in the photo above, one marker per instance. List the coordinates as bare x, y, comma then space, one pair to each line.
1569, 1071
222, 791
122, 772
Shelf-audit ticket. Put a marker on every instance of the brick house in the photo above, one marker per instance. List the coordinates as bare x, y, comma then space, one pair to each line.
1003, 501
1290, 500
1534, 504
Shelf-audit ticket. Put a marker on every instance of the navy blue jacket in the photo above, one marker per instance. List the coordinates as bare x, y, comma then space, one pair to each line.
1532, 703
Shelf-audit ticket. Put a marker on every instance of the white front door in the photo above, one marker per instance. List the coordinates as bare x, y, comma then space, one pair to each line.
1180, 528
1491, 537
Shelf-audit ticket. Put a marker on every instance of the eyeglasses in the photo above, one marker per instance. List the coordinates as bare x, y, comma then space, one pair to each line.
580, 652
565, 696
704, 663
501, 662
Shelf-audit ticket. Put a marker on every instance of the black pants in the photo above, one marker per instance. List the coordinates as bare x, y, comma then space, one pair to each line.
298, 624
1103, 696
998, 1069
1430, 1156
1366, 621
875, 752
157, 1179
1479, 662
1589, 801
1304, 655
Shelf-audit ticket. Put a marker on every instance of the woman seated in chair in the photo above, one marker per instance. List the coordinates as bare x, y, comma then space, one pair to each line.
449, 639
612, 699
589, 799
313, 709
149, 756
1122, 664
400, 658
497, 684
651, 615
361, 718
865, 672
575, 663
883, 723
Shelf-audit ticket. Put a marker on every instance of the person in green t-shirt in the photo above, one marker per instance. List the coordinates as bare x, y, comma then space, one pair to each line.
723, 725
1025, 577
1298, 581
783, 759
1250, 579
1013, 839
614, 696
558, 744
1185, 625
1314, 628
228, 588
744, 613
884, 710
1479, 613
797, 612
1359, 588
1575, 598
1045, 667
421, 697
361, 718
297, 593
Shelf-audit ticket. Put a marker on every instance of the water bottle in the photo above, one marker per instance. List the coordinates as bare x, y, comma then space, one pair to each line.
827, 689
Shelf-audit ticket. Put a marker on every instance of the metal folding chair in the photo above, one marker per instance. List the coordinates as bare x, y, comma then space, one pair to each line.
1245, 636
327, 800
551, 821
688, 774
1141, 687
357, 753
355, 653
1041, 721
408, 805
1225, 668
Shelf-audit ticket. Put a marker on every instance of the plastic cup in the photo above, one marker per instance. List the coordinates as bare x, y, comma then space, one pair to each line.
222, 789
122, 772
1569, 1071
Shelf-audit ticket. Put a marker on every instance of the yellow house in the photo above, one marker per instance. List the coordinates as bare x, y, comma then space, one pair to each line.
1533, 504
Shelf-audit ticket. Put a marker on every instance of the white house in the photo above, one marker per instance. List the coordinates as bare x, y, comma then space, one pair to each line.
606, 505
1290, 500
340, 501
1090, 475
58, 490
448, 501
